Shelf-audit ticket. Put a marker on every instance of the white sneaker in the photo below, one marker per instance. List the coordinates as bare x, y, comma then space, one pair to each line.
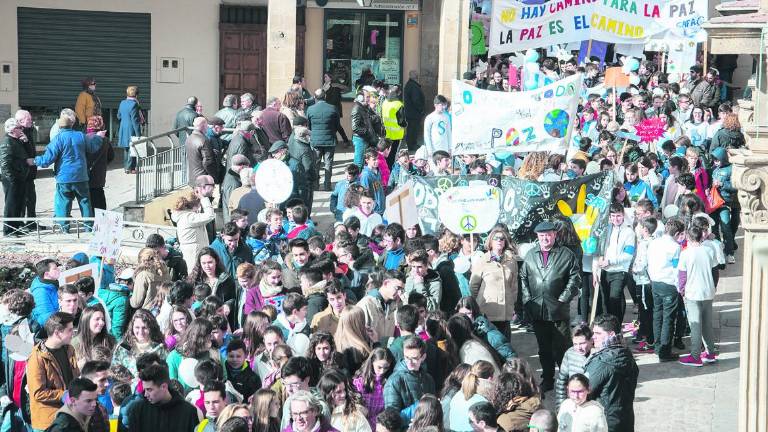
730, 259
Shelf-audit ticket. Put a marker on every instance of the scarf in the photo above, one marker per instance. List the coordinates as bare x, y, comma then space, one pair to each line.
268, 290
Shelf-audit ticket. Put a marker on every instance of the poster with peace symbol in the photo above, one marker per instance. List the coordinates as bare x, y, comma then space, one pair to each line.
525, 203
490, 121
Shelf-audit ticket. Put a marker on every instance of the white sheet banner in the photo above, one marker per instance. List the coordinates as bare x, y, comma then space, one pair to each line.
494, 122
518, 26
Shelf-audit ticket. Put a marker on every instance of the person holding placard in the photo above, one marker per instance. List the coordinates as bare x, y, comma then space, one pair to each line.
190, 222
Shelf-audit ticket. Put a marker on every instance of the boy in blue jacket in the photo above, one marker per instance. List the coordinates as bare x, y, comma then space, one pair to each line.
340, 191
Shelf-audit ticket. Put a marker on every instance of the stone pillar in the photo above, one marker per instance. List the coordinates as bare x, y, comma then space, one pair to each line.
750, 176
281, 46
454, 43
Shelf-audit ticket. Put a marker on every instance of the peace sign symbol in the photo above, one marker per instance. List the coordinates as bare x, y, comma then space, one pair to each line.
468, 223
493, 181
462, 182
444, 183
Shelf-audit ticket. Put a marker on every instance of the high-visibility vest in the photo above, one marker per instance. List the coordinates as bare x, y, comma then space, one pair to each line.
201, 427
389, 117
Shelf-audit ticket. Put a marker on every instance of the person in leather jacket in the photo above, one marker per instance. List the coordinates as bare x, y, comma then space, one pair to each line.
550, 277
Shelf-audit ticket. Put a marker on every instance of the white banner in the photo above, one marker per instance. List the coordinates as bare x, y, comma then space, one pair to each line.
490, 121
107, 234
516, 26
683, 19
473, 209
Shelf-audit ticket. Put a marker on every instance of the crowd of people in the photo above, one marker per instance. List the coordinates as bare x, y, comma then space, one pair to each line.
270, 323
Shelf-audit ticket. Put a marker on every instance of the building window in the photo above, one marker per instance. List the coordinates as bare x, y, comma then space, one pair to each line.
361, 46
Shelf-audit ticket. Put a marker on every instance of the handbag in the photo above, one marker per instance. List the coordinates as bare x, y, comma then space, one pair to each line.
715, 200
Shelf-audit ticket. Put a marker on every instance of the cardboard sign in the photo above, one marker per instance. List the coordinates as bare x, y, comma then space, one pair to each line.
71, 276
517, 26
615, 77
513, 122
107, 234
470, 210
274, 181
401, 207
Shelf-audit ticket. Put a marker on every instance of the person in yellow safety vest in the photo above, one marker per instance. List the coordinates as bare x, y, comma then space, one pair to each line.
393, 117
215, 399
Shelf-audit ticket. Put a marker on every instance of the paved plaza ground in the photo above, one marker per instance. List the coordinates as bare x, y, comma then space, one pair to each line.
670, 397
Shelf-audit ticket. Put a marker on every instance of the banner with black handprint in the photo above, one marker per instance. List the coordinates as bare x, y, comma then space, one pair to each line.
525, 203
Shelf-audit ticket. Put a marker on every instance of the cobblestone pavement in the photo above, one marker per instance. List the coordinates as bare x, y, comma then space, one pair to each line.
670, 397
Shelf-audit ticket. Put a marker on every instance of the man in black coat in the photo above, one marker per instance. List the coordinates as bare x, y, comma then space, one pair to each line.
24, 119
612, 373
550, 277
161, 409
323, 122
413, 98
185, 117
14, 173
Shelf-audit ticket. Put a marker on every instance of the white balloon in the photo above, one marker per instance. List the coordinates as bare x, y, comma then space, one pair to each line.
274, 181
634, 79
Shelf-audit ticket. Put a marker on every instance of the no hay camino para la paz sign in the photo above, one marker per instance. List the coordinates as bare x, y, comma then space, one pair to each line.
518, 26
513, 122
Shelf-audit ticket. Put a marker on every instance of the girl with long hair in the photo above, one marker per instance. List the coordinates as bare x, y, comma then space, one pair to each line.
515, 401
471, 347
428, 413
521, 366
322, 353
142, 336
451, 386
477, 386
347, 412
92, 332
494, 280
195, 343
533, 166
209, 269
234, 410
265, 410
160, 306
255, 324
178, 323
278, 357
150, 273
370, 379
352, 338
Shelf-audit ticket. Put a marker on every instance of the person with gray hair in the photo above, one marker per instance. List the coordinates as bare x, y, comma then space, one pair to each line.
244, 142
24, 119
276, 124
68, 150
543, 421
185, 117
247, 107
201, 160
228, 113
66, 112
14, 172
306, 411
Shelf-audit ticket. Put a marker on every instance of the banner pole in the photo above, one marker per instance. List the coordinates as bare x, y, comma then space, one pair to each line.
589, 52
614, 103
706, 57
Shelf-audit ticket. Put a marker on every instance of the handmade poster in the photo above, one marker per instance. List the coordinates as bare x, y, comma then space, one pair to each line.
274, 181
107, 234
683, 19
524, 203
472, 209
513, 122
401, 207
519, 26
73, 275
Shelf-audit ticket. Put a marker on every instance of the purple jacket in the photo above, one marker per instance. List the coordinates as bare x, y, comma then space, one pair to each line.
253, 300
324, 427
373, 401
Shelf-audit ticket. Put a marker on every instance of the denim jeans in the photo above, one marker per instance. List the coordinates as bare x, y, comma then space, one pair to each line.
700, 320
325, 156
65, 194
360, 145
724, 229
665, 307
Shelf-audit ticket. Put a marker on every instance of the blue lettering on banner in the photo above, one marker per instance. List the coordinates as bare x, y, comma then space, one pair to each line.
467, 97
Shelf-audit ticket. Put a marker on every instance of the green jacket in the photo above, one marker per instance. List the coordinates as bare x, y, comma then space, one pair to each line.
117, 298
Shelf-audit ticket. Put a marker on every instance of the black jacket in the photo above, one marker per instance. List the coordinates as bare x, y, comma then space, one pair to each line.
246, 145
99, 161
13, 159
413, 99
175, 415
547, 291
323, 122
361, 124
64, 422
245, 380
177, 267
612, 374
184, 118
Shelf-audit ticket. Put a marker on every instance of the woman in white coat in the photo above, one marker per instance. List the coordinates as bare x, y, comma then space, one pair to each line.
191, 214
577, 414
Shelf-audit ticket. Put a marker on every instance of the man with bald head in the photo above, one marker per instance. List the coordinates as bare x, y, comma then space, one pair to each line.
201, 160
24, 119
185, 117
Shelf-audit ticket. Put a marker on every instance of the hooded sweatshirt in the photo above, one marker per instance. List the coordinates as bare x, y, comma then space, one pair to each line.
723, 175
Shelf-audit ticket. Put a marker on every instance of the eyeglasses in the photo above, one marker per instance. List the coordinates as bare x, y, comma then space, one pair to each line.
301, 414
293, 385
499, 238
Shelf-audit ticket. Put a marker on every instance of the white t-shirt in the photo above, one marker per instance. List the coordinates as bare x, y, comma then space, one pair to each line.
697, 262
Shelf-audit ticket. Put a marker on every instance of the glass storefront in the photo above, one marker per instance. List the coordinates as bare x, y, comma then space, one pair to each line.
361, 46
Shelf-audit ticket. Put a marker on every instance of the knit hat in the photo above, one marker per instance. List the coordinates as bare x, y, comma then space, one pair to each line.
95, 123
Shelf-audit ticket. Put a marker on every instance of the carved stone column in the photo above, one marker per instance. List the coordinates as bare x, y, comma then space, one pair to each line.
750, 176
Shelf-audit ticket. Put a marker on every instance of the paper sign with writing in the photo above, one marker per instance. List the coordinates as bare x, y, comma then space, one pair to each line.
537, 120
683, 19
519, 26
471, 209
401, 207
107, 234
75, 274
